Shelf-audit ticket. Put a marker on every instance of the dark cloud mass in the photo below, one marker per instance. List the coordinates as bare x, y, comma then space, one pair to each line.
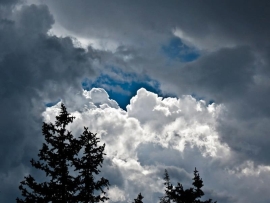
214, 50
226, 23
31, 63
8, 2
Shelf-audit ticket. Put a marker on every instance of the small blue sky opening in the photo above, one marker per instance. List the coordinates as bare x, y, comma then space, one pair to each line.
50, 104
123, 89
211, 101
177, 50
198, 98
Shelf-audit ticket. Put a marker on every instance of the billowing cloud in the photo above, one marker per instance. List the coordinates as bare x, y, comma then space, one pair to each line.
154, 134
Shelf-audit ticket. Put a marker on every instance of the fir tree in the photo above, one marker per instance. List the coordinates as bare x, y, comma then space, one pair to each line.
168, 188
177, 193
87, 166
55, 157
138, 199
58, 154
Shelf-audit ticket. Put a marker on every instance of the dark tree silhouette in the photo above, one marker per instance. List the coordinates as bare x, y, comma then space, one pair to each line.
166, 198
87, 166
57, 156
177, 193
138, 199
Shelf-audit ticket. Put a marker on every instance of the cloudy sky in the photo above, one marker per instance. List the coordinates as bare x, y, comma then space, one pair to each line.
165, 84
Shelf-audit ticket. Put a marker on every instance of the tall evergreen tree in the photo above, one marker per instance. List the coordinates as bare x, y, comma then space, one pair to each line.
138, 199
177, 193
58, 154
168, 188
55, 156
87, 166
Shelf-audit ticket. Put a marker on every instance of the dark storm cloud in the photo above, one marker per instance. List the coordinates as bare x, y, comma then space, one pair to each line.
8, 2
224, 22
31, 62
223, 75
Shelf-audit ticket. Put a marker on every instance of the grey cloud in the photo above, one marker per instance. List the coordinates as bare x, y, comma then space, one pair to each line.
226, 22
31, 62
8, 2
249, 137
112, 173
34, 20
220, 197
222, 75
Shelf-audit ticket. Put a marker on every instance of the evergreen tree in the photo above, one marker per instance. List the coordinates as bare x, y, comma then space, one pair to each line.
57, 156
87, 166
138, 199
177, 193
168, 187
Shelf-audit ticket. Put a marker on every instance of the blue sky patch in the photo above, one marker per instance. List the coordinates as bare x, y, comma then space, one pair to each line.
211, 101
124, 87
50, 104
198, 98
177, 50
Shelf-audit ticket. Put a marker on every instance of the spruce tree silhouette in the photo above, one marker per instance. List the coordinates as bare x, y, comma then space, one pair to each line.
138, 199
166, 198
177, 193
87, 166
57, 156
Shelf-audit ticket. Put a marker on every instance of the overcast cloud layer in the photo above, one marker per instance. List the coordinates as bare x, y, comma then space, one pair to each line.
210, 60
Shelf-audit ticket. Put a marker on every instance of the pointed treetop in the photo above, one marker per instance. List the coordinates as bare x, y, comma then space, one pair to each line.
64, 117
198, 184
58, 154
179, 195
166, 176
138, 199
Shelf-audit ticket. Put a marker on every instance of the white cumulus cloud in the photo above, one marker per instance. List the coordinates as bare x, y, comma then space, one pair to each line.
149, 129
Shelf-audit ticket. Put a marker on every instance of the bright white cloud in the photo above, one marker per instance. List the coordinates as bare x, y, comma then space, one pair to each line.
116, 195
163, 133
98, 96
173, 122
182, 124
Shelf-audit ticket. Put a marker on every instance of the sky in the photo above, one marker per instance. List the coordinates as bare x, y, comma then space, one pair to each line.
165, 85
